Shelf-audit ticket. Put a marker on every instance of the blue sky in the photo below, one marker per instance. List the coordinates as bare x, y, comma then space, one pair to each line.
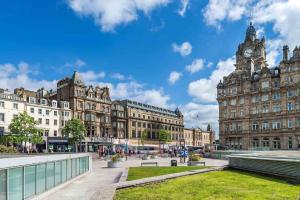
135, 46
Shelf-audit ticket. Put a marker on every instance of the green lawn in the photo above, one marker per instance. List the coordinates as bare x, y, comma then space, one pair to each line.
221, 185
144, 172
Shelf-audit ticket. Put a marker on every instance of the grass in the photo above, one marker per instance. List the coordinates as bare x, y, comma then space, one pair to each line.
145, 172
221, 185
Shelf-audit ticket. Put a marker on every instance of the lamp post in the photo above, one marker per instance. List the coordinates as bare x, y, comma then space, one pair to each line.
126, 147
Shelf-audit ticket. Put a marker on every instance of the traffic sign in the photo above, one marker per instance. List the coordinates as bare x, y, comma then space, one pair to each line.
184, 153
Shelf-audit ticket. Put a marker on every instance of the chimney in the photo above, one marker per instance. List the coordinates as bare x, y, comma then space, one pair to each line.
285, 53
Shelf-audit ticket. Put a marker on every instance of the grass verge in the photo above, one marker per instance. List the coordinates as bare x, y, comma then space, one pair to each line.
220, 185
135, 173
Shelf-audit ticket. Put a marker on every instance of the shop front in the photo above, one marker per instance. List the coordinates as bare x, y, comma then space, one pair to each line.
59, 144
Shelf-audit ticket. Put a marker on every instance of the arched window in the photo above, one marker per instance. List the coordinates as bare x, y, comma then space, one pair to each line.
276, 143
255, 142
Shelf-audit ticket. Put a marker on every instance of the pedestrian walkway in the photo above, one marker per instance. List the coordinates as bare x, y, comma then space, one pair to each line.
100, 184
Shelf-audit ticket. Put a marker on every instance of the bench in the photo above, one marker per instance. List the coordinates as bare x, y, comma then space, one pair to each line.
193, 163
148, 163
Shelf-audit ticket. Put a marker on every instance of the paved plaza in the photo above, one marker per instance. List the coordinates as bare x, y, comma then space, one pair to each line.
100, 183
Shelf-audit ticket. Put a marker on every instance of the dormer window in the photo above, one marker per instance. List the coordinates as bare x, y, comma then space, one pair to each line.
43, 101
276, 72
54, 104
66, 105
32, 100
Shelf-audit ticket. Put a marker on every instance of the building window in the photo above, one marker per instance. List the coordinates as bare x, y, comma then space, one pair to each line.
290, 106
2, 104
55, 133
276, 143
40, 120
2, 117
46, 133
55, 113
55, 122
1, 131
139, 124
255, 143
32, 110
290, 123
265, 108
233, 102
47, 121
265, 125
47, 112
276, 96
265, 142
15, 106
276, 108
290, 93
265, 97
290, 143
242, 100
40, 111
255, 99
133, 134
255, 126
265, 84
276, 125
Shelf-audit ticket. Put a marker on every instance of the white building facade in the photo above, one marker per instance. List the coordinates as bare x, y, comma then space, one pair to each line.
50, 115
10, 106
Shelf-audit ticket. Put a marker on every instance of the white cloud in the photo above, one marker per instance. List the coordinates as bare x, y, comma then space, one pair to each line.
91, 76
118, 76
174, 76
13, 76
218, 10
196, 66
200, 115
204, 89
184, 5
184, 49
108, 14
79, 63
283, 14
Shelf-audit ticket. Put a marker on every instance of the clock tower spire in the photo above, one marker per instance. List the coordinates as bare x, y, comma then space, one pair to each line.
251, 54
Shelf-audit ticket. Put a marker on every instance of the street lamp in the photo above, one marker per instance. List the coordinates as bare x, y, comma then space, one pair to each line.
126, 147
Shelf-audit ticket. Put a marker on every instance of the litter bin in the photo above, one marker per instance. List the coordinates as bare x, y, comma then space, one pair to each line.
173, 163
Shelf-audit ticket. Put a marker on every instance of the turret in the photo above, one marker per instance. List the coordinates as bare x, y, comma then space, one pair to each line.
285, 51
250, 33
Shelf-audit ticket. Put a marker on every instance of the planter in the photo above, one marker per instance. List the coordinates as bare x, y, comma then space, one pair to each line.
153, 157
111, 164
145, 157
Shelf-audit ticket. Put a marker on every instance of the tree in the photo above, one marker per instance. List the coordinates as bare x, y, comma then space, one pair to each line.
163, 137
23, 129
75, 130
143, 137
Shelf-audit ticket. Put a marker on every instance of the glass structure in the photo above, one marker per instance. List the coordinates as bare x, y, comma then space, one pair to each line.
24, 182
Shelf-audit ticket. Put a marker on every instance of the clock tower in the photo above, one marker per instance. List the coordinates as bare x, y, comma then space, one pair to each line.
251, 54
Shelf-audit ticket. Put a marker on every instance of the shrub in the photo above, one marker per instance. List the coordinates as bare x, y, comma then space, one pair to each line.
5, 149
116, 158
194, 157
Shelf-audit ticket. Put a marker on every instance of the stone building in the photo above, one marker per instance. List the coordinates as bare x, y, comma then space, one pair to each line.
259, 106
90, 104
130, 119
198, 137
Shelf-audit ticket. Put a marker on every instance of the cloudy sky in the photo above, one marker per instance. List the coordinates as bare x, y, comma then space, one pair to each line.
169, 53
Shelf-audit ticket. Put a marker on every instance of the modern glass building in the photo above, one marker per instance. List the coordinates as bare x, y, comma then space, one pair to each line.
25, 177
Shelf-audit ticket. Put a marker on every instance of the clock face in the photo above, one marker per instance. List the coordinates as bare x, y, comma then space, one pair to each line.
248, 53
